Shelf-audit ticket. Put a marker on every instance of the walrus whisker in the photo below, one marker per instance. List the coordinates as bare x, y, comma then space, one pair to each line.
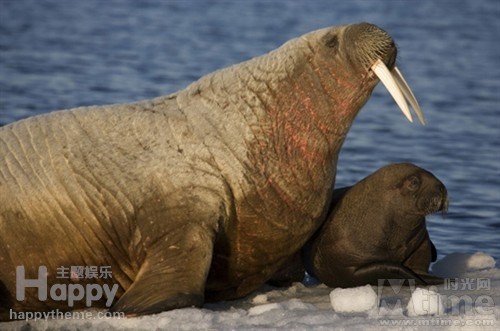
444, 208
385, 76
407, 92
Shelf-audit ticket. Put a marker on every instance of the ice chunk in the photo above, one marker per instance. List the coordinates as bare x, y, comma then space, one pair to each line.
456, 264
351, 300
425, 302
480, 261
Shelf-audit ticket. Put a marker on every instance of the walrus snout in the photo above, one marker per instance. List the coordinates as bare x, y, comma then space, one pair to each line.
444, 200
371, 43
375, 50
438, 200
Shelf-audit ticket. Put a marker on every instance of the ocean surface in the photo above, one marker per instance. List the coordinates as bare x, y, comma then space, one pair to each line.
64, 54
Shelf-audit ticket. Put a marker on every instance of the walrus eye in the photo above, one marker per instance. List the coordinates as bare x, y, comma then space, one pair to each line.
413, 183
332, 42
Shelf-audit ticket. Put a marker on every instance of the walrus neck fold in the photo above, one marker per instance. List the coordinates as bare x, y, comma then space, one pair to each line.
293, 119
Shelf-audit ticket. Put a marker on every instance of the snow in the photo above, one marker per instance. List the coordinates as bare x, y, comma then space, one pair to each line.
259, 299
470, 302
351, 300
258, 310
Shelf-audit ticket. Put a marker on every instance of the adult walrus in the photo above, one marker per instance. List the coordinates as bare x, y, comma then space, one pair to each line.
198, 195
376, 230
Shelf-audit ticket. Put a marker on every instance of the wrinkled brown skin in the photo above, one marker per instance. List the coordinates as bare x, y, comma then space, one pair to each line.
199, 195
376, 230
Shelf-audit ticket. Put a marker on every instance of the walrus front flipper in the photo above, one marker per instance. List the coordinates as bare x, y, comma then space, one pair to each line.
432, 280
292, 271
172, 276
375, 272
434, 253
6, 302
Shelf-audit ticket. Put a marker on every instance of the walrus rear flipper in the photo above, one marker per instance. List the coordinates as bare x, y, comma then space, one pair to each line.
172, 276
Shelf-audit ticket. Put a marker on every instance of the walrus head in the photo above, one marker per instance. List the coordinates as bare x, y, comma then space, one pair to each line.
429, 194
421, 193
371, 52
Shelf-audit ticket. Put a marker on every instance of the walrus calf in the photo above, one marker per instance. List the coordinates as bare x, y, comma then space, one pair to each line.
376, 230
199, 195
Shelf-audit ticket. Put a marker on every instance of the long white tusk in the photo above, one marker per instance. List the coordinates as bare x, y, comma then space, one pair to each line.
405, 88
390, 84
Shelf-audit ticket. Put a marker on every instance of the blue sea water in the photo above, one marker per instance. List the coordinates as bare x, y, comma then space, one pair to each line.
63, 54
